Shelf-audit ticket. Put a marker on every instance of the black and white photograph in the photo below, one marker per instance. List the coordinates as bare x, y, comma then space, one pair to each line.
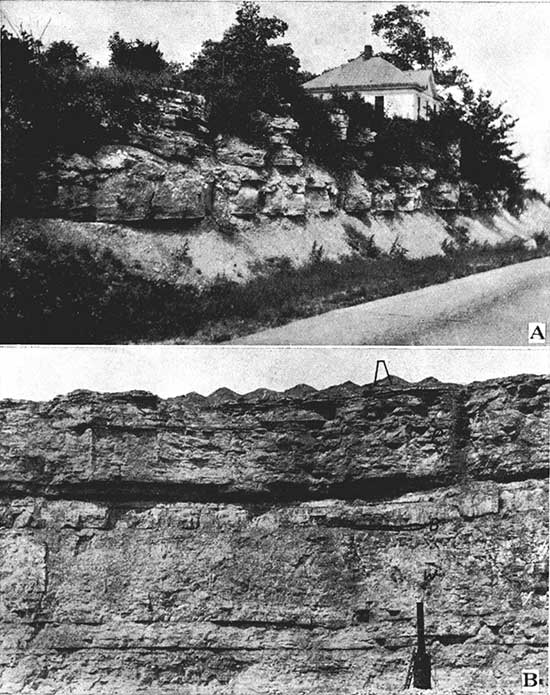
273, 521
275, 173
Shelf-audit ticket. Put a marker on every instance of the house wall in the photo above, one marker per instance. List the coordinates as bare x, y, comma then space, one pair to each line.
404, 104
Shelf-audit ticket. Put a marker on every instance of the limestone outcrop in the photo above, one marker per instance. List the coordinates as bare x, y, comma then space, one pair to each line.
173, 172
273, 542
170, 173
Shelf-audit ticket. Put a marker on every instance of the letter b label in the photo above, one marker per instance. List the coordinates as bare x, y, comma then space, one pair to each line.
530, 681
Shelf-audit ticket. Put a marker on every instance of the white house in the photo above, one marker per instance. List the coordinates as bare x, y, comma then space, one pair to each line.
395, 92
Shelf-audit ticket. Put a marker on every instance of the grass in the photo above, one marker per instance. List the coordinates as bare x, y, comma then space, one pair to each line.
53, 292
277, 296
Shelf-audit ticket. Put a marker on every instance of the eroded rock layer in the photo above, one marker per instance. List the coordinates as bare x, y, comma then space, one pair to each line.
273, 543
174, 172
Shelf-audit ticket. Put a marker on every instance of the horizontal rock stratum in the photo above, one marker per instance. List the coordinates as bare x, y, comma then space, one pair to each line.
274, 542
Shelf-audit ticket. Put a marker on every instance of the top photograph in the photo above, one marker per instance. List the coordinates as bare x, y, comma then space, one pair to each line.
277, 173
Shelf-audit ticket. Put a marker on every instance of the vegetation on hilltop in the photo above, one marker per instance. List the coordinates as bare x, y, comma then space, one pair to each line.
53, 101
410, 46
245, 72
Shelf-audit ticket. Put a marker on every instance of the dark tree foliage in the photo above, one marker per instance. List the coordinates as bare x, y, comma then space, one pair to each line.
375, 143
136, 55
24, 88
395, 59
64, 55
245, 72
317, 133
488, 158
53, 102
482, 128
403, 31
411, 48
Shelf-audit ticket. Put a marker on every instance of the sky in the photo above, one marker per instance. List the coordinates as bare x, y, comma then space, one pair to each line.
43, 372
504, 46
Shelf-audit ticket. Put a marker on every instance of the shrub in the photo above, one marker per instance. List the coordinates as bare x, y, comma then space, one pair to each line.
54, 292
181, 254
459, 240
224, 224
513, 245
541, 239
316, 254
397, 250
136, 55
360, 244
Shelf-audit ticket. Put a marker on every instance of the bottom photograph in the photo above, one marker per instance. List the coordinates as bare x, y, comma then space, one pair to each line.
273, 521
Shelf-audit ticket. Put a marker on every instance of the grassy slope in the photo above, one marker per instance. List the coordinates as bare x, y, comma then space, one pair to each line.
61, 289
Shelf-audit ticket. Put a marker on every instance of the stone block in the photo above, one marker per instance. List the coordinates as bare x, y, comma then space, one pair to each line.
358, 197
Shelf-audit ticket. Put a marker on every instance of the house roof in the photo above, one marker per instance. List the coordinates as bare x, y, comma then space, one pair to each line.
421, 77
370, 73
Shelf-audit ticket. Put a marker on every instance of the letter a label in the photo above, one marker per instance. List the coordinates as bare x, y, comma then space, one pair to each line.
537, 333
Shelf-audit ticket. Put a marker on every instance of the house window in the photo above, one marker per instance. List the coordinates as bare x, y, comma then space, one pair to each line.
379, 106
418, 106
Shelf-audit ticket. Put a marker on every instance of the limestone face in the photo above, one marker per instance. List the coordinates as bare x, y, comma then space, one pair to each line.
284, 196
171, 171
171, 145
409, 198
358, 199
445, 196
235, 151
286, 158
273, 543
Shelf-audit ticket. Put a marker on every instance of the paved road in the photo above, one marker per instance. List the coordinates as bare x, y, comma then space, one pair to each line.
491, 308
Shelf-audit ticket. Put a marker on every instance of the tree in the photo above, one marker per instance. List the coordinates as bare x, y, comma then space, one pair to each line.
136, 55
245, 72
64, 55
53, 102
24, 86
410, 46
488, 158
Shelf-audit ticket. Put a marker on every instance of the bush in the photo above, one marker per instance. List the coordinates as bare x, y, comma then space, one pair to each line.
459, 241
223, 222
55, 292
397, 250
541, 239
52, 102
136, 55
360, 244
316, 254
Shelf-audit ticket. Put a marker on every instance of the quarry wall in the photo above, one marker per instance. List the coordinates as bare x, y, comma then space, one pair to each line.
273, 542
